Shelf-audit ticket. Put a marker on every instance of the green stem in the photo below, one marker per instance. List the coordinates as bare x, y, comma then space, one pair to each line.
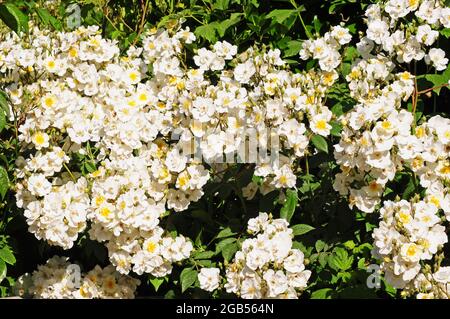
308, 34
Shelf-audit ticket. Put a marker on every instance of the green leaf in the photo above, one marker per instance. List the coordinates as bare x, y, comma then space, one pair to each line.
340, 259
2, 120
221, 4
207, 31
187, 277
227, 232
203, 255
320, 143
290, 204
280, 15
439, 79
4, 182
2, 270
445, 32
48, 19
15, 19
229, 250
221, 245
324, 293
336, 129
320, 245
156, 282
301, 229
223, 26
4, 102
293, 48
7, 256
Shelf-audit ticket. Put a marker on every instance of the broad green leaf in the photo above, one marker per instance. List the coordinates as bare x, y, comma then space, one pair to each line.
229, 250
324, 293
207, 31
293, 48
439, 79
15, 19
227, 232
221, 4
187, 278
48, 19
336, 129
224, 243
290, 204
280, 15
301, 229
320, 143
4, 182
320, 245
223, 26
7, 256
203, 255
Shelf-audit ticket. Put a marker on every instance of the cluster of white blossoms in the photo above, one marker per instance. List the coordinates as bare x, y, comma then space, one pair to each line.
407, 43
267, 266
409, 234
326, 49
412, 232
433, 285
111, 140
377, 137
78, 97
59, 279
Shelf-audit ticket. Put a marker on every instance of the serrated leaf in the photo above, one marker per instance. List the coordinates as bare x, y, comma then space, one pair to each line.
290, 204
207, 31
4, 182
340, 260
187, 278
15, 19
320, 143
301, 229
7, 256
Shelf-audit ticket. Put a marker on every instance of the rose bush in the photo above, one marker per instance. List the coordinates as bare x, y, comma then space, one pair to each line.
224, 149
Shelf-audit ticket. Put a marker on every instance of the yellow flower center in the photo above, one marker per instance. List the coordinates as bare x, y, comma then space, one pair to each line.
321, 125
